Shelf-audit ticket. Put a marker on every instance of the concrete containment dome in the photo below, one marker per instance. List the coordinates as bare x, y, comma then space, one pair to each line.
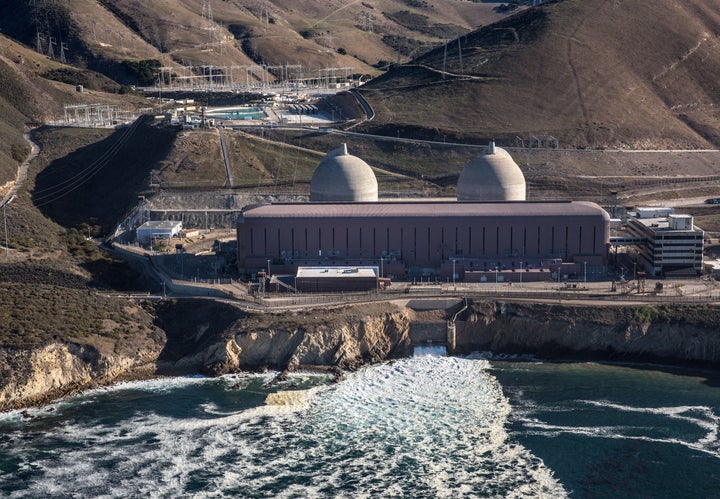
343, 177
491, 177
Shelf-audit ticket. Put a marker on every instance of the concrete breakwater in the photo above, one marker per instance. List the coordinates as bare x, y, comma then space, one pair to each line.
216, 338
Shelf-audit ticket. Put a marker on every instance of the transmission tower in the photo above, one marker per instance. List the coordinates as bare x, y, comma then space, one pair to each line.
366, 21
444, 60
207, 17
39, 43
328, 37
51, 52
460, 54
63, 49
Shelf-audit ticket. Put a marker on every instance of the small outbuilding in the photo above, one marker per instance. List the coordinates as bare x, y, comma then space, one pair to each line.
158, 229
337, 279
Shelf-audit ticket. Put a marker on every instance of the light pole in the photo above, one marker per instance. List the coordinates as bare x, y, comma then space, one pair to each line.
585, 272
268, 267
521, 273
382, 259
453, 260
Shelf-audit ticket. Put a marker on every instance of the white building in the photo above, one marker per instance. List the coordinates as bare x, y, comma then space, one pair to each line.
673, 245
160, 229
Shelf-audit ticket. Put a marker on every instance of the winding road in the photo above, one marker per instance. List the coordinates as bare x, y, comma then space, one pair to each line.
22, 169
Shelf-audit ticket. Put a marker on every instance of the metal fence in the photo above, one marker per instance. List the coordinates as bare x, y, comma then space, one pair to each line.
305, 299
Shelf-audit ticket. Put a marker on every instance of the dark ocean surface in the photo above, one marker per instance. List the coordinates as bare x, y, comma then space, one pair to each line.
428, 426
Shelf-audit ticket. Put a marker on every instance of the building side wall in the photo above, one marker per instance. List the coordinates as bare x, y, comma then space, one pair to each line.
423, 241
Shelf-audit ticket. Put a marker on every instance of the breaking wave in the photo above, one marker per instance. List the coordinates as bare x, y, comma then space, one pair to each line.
427, 426
699, 425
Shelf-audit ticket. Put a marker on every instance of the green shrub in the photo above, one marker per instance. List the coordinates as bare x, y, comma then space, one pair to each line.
20, 152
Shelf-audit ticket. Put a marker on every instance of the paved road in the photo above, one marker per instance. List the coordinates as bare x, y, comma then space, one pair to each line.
226, 158
22, 169
597, 293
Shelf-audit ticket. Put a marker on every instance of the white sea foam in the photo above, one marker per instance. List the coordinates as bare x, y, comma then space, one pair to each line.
703, 417
416, 427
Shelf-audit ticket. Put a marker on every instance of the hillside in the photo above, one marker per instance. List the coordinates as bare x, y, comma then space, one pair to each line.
34, 89
47, 47
592, 73
104, 35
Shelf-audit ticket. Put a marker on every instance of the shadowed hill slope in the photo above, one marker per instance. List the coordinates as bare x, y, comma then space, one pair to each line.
589, 72
98, 183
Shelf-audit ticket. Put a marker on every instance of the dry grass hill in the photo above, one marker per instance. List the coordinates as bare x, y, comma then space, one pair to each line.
362, 35
592, 73
106, 44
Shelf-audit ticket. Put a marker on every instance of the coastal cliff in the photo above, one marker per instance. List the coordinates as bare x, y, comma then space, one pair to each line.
30, 376
342, 337
213, 338
676, 333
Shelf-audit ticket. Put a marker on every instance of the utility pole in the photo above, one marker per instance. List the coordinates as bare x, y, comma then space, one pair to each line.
521, 272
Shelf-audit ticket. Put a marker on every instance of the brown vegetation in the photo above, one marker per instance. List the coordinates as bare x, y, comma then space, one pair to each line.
589, 72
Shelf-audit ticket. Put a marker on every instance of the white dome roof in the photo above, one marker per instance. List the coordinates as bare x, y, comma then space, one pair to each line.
491, 177
343, 177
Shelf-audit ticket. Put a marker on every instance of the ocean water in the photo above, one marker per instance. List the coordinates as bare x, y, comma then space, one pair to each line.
428, 426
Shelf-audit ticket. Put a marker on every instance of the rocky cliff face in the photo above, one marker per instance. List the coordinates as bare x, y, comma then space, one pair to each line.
343, 337
214, 338
678, 333
32, 376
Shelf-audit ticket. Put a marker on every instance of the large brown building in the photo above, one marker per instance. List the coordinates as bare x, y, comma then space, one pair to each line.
415, 238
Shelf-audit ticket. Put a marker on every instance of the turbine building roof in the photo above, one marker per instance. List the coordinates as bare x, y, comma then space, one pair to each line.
342, 177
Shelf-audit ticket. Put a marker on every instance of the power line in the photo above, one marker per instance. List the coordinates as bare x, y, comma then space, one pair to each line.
62, 189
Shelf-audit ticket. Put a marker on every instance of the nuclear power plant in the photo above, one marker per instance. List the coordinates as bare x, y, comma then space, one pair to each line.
489, 232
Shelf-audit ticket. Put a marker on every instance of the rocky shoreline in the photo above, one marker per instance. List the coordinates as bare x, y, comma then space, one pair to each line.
214, 338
